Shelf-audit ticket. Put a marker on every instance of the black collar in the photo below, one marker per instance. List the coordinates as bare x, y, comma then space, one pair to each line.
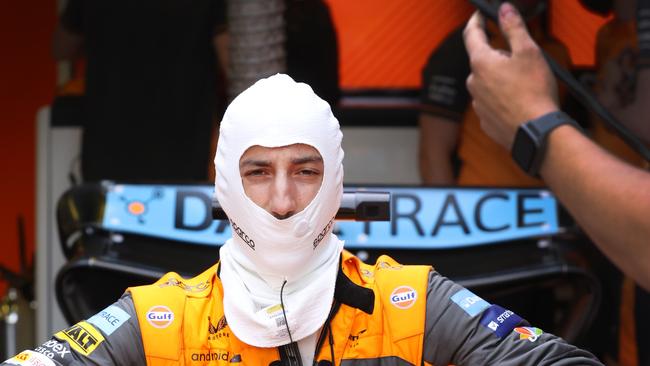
351, 294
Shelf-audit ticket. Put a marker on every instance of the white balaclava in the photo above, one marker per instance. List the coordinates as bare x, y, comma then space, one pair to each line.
298, 255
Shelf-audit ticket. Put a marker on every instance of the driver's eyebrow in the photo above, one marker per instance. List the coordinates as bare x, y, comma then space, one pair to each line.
307, 159
255, 162
266, 163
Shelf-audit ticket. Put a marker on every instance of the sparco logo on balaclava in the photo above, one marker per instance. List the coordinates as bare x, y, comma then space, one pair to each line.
243, 235
322, 234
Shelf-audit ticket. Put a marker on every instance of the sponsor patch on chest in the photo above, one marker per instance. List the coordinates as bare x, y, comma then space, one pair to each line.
403, 297
160, 316
212, 356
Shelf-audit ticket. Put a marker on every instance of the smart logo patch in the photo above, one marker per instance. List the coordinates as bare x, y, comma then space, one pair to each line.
82, 337
469, 302
500, 320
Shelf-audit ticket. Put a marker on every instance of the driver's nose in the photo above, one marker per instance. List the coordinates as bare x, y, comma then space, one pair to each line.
283, 202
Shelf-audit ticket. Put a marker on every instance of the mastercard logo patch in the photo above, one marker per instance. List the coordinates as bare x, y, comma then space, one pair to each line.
160, 316
403, 297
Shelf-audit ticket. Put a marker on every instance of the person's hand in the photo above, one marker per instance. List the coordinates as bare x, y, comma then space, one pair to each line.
509, 88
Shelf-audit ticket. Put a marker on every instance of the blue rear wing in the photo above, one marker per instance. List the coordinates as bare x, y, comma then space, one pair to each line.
421, 218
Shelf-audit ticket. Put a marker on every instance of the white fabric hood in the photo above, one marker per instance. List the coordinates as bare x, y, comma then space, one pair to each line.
264, 251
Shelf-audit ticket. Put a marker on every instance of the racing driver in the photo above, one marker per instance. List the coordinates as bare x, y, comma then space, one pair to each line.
285, 292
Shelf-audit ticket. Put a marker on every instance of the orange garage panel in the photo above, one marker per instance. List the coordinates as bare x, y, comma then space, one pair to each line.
385, 43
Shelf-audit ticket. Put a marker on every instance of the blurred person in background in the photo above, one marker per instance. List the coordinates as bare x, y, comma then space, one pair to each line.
623, 87
151, 77
312, 47
618, 84
153, 87
452, 147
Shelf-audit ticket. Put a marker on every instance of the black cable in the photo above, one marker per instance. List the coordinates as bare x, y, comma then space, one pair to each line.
286, 322
321, 338
576, 89
589, 101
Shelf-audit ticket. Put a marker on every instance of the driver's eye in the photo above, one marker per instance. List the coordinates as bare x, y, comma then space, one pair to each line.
255, 172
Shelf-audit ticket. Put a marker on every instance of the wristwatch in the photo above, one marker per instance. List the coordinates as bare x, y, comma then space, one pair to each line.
529, 146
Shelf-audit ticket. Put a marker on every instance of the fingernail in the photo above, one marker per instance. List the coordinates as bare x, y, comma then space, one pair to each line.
507, 11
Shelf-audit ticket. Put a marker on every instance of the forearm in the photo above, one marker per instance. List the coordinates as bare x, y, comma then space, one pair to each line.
438, 137
610, 200
435, 169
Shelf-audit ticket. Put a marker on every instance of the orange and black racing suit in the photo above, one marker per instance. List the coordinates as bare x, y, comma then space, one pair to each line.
386, 314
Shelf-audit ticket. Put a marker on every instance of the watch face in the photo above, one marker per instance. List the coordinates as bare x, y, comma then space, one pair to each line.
529, 146
524, 149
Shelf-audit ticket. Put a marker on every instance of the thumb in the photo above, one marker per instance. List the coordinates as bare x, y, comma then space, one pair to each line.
513, 28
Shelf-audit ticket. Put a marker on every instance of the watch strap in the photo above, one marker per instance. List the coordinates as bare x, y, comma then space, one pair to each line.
538, 130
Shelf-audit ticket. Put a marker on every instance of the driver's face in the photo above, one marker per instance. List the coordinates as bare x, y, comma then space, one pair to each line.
281, 180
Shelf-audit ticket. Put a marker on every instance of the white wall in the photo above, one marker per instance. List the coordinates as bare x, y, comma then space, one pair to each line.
381, 155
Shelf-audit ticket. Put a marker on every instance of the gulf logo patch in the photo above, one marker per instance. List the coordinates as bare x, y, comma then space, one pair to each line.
403, 297
160, 316
529, 333
30, 358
